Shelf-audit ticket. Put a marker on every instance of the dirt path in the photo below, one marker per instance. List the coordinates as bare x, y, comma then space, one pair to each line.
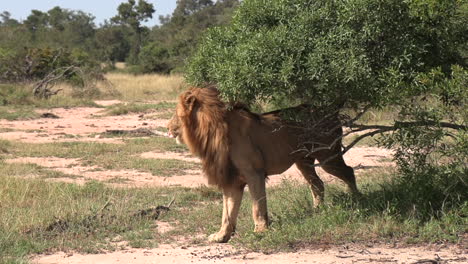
74, 124
227, 254
360, 158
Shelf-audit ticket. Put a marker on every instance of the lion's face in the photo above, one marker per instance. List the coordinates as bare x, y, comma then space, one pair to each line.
174, 129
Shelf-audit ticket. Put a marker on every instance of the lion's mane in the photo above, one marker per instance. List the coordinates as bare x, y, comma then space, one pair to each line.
205, 131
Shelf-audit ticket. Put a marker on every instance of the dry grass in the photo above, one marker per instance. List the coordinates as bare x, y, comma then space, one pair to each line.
127, 87
148, 87
120, 65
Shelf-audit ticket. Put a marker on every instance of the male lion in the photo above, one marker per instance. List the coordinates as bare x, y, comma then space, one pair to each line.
238, 148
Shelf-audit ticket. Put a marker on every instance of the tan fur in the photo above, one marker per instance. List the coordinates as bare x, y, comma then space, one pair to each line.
238, 148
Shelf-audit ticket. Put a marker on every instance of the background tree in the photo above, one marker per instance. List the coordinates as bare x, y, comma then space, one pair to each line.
13, 35
163, 48
112, 43
60, 28
35, 21
58, 17
180, 32
132, 14
6, 19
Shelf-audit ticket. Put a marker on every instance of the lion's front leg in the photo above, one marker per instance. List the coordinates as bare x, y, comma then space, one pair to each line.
232, 198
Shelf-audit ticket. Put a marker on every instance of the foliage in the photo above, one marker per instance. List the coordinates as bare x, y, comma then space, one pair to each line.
154, 58
112, 43
60, 27
7, 20
179, 33
123, 37
132, 14
328, 52
36, 63
429, 153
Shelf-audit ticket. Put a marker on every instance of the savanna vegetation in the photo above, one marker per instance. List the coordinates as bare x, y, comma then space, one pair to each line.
395, 71
30, 48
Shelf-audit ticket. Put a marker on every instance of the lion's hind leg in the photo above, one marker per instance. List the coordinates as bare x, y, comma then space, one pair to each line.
232, 198
316, 185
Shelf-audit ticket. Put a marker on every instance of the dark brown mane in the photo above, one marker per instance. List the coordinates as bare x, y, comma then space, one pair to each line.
205, 131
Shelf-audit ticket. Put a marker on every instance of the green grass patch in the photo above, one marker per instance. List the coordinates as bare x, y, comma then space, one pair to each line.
32, 170
5, 147
18, 113
124, 109
60, 101
388, 212
367, 141
118, 180
39, 216
162, 129
164, 114
6, 130
112, 156
21, 96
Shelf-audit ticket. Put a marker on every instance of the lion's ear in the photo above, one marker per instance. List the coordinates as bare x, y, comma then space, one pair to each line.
190, 102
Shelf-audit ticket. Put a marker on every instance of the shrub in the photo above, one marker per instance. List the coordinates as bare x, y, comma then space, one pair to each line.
32, 64
154, 58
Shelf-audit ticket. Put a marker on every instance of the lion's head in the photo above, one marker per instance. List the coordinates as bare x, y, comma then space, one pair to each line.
200, 123
174, 129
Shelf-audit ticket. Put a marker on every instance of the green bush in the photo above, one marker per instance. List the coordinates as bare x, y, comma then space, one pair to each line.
32, 64
154, 58
328, 52
14, 95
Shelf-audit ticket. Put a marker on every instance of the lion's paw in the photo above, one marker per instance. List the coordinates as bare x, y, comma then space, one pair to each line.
218, 238
261, 228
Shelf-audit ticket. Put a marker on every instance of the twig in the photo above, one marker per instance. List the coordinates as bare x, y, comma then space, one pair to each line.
108, 203
138, 131
423, 261
154, 212
41, 88
171, 202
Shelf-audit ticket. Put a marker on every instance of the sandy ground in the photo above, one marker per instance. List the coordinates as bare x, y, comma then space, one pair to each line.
85, 124
227, 254
73, 124
361, 159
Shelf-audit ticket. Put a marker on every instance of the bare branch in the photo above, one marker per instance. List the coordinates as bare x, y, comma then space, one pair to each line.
42, 89
401, 124
376, 129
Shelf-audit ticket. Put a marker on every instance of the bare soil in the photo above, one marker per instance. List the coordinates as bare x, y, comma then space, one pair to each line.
86, 123
225, 253
74, 124
361, 159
